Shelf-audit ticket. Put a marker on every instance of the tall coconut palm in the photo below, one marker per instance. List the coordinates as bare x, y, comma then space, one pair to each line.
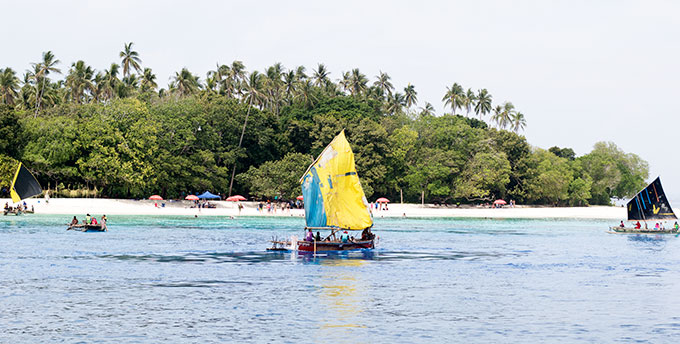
320, 75
130, 58
507, 114
383, 83
111, 82
253, 91
79, 81
410, 95
358, 82
184, 83
483, 105
345, 83
518, 122
454, 97
305, 93
41, 71
148, 80
497, 115
427, 110
300, 73
237, 74
395, 103
9, 86
289, 85
469, 101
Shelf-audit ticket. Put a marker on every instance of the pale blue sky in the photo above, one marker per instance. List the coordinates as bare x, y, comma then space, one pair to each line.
580, 71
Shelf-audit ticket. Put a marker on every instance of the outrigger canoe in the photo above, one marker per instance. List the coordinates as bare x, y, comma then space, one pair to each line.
88, 228
334, 201
650, 204
642, 230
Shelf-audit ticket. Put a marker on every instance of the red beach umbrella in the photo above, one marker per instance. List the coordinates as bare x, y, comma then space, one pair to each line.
156, 198
191, 198
382, 200
236, 198
300, 198
500, 201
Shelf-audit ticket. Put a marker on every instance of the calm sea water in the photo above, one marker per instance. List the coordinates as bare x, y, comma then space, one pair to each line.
210, 280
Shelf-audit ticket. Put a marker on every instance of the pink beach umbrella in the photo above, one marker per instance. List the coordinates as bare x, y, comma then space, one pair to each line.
500, 201
156, 198
382, 200
191, 198
236, 198
300, 198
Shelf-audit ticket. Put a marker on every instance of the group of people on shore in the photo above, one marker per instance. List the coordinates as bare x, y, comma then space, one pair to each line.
21, 207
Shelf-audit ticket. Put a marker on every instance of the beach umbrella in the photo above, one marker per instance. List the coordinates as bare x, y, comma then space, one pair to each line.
236, 198
500, 201
300, 198
191, 198
382, 200
156, 198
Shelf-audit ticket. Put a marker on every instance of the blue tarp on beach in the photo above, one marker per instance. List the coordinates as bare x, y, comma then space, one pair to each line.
208, 195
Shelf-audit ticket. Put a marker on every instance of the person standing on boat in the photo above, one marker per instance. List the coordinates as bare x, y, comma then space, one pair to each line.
104, 219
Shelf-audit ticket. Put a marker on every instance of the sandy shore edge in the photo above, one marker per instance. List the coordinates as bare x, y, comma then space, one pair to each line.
97, 207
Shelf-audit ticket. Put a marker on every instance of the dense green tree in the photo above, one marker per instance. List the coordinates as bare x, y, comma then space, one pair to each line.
278, 178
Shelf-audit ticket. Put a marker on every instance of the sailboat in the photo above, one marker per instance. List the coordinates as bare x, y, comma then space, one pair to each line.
650, 204
24, 185
335, 202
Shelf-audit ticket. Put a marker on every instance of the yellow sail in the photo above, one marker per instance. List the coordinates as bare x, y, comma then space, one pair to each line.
332, 190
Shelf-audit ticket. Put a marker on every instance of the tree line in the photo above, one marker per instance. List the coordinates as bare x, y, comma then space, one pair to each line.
115, 133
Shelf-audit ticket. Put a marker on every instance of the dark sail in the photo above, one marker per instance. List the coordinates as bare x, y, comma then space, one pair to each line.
650, 204
24, 185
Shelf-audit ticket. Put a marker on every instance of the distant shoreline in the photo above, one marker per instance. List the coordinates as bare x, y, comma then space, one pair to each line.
101, 206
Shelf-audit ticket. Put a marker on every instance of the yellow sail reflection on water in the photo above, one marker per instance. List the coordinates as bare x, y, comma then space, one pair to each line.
341, 292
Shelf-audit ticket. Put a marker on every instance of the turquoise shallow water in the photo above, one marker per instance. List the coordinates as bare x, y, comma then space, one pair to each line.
210, 280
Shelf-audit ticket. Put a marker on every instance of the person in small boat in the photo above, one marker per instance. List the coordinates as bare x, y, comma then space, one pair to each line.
344, 237
6, 206
675, 226
74, 221
94, 221
88, 219
318, 236
656, 226
622, 225
637, 225
309, 236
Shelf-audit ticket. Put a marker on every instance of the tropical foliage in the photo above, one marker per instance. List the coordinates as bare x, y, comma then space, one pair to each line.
254, 133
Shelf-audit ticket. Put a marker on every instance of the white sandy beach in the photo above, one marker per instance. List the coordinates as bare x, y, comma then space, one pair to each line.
98, 206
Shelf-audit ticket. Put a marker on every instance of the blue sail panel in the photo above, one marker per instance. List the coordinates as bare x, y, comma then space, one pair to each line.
315, 213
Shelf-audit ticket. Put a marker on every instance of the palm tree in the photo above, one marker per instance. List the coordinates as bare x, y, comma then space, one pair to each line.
253, 88
410, 95
497, 115
9, 85
483, 105
345, 83
469, 101
518, 122
305, 93
320, 75
237, 74
111, 81
454, 97
130, 58
185, 83
79, 81
358, 82
148, 80
383, 83
42, 70
395, 102
300, 74
507, 114
427, 110
289, 85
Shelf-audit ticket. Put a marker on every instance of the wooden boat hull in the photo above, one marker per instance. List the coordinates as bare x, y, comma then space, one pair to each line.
642, 230
308, 246
88, 228
12, 212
